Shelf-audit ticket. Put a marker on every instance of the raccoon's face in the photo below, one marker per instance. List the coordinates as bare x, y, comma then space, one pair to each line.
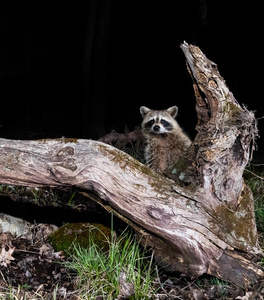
159, 121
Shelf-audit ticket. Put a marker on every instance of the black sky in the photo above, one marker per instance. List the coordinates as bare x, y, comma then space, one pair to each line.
82, 68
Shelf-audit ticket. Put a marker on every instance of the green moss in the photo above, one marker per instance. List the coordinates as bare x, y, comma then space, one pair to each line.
80, 233
233, 108
237, 228
65, 140
118, 156
124, 160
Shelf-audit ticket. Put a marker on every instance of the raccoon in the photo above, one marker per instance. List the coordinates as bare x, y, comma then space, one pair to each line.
165, 139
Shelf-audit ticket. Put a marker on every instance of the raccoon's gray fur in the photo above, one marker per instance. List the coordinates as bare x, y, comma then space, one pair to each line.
165, 139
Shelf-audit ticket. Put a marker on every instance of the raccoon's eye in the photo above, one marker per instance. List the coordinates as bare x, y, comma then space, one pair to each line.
165, 123
149, 123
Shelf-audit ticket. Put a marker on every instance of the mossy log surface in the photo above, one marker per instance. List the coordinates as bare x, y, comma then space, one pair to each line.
199, 218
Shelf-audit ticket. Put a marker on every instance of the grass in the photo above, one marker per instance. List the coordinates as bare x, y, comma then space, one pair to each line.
21, 293
124, 270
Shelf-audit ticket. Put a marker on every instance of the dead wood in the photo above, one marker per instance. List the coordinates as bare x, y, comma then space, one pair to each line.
200, 218
114, 138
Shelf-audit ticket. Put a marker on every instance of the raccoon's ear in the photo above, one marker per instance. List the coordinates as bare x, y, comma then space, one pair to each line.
173, 111
144, 110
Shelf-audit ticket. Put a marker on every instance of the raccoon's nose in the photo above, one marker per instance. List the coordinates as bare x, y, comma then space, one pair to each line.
156, 128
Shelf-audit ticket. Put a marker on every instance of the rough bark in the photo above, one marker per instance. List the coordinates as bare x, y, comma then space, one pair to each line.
201, 219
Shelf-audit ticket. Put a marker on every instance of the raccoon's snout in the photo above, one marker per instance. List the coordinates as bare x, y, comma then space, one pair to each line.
156, 128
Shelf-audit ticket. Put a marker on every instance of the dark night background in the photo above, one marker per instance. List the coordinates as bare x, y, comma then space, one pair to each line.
81, 68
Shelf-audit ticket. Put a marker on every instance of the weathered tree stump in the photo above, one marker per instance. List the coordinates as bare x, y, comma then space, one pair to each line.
199, 218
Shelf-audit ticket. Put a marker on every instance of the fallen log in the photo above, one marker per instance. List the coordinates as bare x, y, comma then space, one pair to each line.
199, 218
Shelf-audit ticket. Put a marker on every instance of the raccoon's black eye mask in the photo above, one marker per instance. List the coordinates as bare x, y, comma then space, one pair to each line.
149, 123
165, 123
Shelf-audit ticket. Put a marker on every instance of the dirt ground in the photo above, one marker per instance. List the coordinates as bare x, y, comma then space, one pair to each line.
34, 270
